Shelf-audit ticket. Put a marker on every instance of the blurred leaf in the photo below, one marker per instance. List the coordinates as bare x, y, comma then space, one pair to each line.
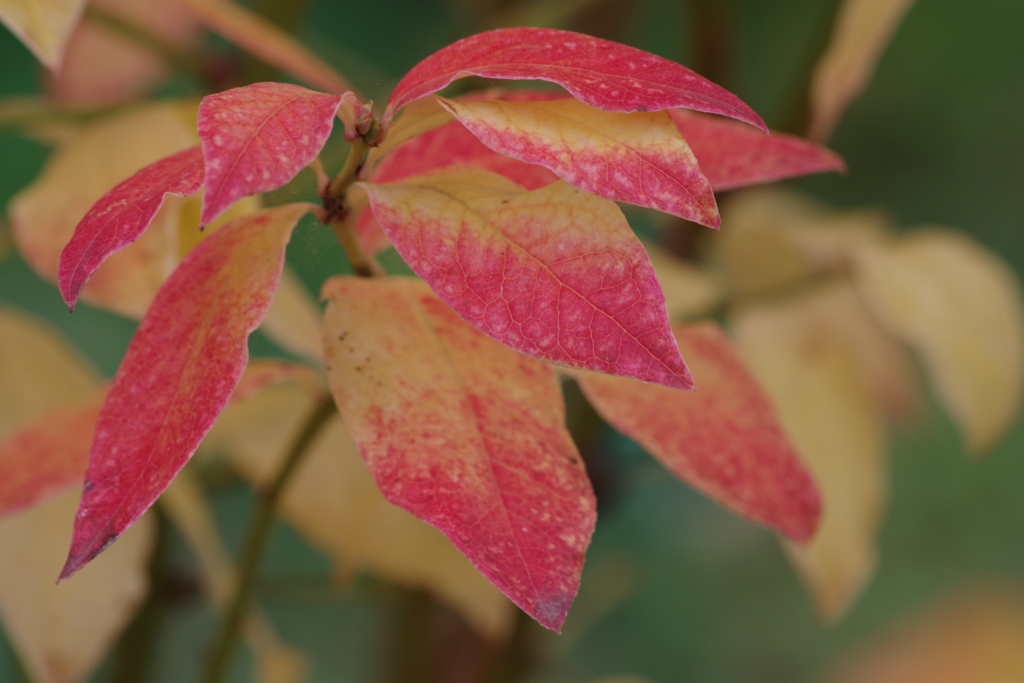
184, 503
104, 66
689, 290
294, 320
61, 633
974, 637
724, 439
39, 371
44, 26
186, 358
824, 403
583, 297
862, 30
959, 305
774, 239
264, 40
251, 141
334, 503
465, 434
638, 157
606, 75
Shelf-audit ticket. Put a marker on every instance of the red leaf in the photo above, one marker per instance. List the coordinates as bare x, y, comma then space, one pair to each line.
555, 273
732, 155
639, 158
178, 373
603, 74
257, 138
463, 433
449, 145
120, 216
723, 439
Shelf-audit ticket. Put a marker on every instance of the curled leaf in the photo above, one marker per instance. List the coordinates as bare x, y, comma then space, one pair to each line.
639, 158
960, 307
123, 214
732, 155
603, 74
464, 434
258, 137
178, 373
724, 440
555, 273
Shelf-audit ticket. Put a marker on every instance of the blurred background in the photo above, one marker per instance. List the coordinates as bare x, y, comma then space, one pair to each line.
675, 588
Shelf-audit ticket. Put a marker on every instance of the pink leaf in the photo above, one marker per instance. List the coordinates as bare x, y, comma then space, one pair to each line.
178, 373
732, 155
120, 216
555, 273
723, 439
257, 138
639, 158
603, 74
463, 433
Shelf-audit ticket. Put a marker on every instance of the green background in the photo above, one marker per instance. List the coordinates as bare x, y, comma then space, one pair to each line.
675, 588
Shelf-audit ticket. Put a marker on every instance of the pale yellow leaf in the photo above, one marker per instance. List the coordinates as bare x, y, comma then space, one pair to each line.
261, 38
862, 30
975, 637
774, 238
293, 321
689, 290
44, 26
825, 405
334, 503
960, 307
39, 371
417, 118
62, 632
183, 501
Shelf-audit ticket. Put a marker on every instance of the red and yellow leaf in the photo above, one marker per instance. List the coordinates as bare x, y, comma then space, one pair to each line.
555, 273
61, 633
639, 157
123, 214
724, 439
178, 373
257, 138
824, 403
44, 26
334, 503
603, 74
463, 433
732, 155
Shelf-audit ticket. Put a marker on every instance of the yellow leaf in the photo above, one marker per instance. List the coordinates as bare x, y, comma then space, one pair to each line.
44, 214
293, 321
62, 632
862, 30
334, 503
39, 371
960, 306
417, 118
975, 637
824, 403
183, 501
689, 290
44, 26
774, 239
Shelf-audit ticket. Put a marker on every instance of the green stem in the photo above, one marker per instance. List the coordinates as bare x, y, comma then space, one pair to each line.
259, 528
338, 216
